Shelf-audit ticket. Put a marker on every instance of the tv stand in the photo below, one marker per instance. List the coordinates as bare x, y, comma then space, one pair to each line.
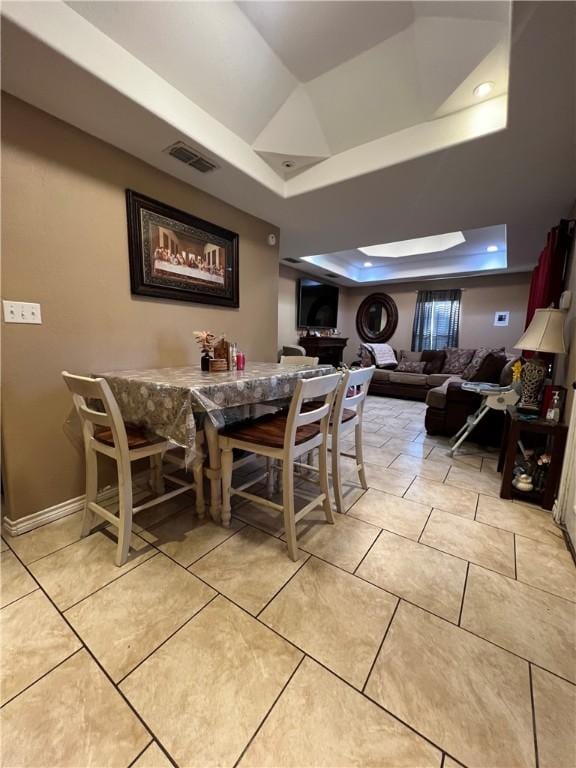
328, 349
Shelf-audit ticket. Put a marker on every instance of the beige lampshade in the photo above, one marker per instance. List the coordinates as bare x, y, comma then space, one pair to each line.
545, 332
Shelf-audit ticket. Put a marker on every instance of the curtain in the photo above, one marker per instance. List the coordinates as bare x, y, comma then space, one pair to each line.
436, 320
548, 275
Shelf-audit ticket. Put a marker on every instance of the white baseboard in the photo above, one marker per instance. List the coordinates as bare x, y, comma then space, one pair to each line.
68, 507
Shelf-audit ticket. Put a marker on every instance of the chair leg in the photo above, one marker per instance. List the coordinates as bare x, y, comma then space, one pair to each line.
213, 471
288, 504
226, 460
124, 514
156, 474
198, 471
91, 491
336, 478
360, 456
271, 477
323, 471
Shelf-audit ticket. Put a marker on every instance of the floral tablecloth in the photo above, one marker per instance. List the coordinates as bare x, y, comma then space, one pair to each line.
172, 402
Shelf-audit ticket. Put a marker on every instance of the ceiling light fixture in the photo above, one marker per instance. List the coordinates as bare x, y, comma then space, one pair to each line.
367, 263
432, 244
492, 248
483, 89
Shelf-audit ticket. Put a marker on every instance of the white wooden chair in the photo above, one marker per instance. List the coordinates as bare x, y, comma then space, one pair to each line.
105, 432
282, 438
347, 417
298, 360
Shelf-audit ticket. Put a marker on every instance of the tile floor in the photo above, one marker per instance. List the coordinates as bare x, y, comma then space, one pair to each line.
433, 625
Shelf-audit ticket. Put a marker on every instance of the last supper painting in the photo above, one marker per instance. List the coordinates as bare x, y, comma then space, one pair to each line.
175, 255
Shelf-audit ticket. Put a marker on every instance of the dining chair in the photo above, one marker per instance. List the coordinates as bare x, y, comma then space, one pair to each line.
346, 417
105, 432
298, 360
283, 437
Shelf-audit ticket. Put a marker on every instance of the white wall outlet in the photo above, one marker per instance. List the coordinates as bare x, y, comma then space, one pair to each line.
22, 312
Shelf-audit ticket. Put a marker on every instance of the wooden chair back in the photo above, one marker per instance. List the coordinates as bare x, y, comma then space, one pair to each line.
298, 360
352, 392
316, 389
86, 392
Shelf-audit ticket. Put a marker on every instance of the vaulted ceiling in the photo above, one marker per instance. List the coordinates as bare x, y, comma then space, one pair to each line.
371, 105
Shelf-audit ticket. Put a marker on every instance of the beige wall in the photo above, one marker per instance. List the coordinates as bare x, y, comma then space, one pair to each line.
481, 298
64, 244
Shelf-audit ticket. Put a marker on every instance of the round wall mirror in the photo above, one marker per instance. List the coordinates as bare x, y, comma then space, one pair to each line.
377, 318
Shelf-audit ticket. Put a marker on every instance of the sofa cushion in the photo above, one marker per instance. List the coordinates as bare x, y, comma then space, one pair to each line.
417, 379
473, 366
436, 397
436, 379
413, 357
434, 359
380, 374
490, 368
410, 366
457, 359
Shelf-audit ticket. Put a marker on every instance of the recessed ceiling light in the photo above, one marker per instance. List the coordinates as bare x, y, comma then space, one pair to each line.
431, 244
492, 248
367, 263
484, 89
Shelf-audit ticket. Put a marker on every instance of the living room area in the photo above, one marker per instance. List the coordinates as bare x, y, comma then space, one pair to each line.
288, 384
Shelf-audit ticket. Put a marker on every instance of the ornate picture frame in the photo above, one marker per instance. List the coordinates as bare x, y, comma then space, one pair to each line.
175, 255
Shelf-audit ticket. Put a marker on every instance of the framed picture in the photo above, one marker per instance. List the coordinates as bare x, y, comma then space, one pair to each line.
174, 255
501, 318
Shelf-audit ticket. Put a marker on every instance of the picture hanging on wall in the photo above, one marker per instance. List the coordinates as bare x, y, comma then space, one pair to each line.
174, 255
501, 318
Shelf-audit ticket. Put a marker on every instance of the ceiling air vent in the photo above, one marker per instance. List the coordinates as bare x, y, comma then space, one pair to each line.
289, 260
191, 157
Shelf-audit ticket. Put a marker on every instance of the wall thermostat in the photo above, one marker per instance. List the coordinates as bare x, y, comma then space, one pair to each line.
272, 239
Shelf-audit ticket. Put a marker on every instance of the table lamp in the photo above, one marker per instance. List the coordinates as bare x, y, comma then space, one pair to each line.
544, 334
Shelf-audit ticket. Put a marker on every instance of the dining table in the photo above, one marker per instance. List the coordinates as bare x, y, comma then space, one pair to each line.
188, 406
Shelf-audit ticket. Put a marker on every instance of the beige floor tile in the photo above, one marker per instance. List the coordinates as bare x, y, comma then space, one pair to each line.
34, 640
388, 480
464, 694
480, 482
15, 581
407, 518
442, 496
249, 568
48, 538
161, 512
490, 465
152, 757
126, 620
373, 439
343, 544
3, 545
534, 624
481, 544
433, 470
220, 674
320, 721
465, 457
72, 717
71, 574
555, 710
425, 576
408, 447
270, 521
545, 566
449, 763
327, 613
529, 521
184, 538
379, 456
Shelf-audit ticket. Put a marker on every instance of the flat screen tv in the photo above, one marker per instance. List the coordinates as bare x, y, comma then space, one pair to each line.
317, 304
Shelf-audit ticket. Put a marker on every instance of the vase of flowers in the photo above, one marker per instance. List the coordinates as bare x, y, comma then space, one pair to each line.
206, 341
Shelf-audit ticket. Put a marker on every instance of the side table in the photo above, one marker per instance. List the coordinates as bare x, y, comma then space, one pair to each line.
556, 434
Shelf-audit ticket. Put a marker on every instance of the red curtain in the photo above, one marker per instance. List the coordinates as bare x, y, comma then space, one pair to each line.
548, 276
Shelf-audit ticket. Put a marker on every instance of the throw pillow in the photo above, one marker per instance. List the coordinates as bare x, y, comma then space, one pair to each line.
410, 366
490, 368
434, 360
412, 357
473, 366
457, 359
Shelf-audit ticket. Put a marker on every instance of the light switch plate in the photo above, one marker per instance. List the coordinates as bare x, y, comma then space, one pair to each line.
22, 312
